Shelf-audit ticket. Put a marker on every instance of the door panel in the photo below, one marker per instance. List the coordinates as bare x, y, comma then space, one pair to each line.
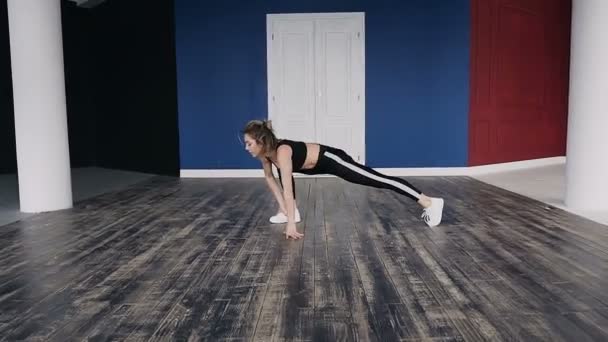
316, 79
338, 85
292, 75
519, 80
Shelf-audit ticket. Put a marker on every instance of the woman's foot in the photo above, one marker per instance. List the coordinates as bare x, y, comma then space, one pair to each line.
433, 210
282, 218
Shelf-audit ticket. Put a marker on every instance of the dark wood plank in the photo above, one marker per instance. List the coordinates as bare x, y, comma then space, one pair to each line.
422, 314
283, 308
342, 308
180, 259
444, 311
235, 317
203, 297
190, 250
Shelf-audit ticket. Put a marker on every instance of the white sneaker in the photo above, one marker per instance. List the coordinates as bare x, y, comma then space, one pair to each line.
432, 215
282, 218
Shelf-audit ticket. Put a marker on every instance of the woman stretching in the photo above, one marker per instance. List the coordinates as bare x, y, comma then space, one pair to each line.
312, 159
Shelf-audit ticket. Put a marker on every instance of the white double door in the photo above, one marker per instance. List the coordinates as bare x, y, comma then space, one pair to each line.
316, 79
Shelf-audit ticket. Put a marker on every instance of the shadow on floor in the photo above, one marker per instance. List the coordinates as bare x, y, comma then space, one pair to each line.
86, 183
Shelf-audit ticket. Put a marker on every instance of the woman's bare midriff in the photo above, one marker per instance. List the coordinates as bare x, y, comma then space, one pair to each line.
312, 155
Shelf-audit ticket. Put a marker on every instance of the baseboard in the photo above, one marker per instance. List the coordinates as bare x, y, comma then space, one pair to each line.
398, 172
221, 173
514, 166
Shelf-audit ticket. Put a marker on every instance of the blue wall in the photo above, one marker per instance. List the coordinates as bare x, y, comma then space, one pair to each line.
417, 78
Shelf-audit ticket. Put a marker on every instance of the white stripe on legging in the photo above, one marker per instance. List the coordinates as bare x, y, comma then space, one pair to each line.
372, 176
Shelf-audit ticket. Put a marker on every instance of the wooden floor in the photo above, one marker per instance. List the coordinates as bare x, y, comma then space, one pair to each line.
180, 259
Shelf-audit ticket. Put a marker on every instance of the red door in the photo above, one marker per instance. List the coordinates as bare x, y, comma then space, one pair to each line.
519, 79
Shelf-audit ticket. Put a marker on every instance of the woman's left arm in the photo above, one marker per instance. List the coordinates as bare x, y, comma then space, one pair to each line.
284, 160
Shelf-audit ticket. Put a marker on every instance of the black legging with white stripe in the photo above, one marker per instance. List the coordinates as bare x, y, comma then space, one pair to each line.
336, 162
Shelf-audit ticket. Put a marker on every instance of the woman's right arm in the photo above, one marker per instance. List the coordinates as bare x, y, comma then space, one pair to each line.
272, 184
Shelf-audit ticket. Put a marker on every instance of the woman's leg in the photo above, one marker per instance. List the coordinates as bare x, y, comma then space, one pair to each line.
339, 163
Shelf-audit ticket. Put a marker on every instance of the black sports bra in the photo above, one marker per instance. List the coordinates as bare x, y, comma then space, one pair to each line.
298, 154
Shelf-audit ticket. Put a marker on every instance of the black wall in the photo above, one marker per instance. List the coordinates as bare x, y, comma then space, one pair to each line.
80, 85
8, 156
120, 87
136, 96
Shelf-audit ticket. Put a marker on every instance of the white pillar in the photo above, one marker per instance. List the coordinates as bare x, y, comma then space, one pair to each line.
43, 159
587, 148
